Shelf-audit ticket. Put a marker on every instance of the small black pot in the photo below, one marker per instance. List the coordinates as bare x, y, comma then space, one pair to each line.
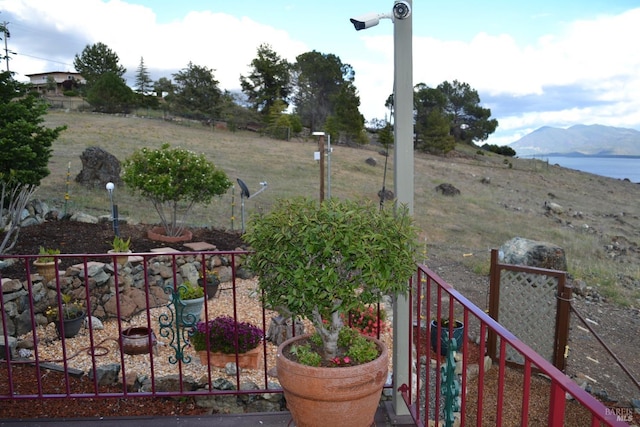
71, 326
212, 286
458, 334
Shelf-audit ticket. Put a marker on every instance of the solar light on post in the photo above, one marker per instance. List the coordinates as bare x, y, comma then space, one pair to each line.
114, 208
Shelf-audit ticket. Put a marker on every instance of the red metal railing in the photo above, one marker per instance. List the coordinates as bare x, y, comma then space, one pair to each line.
96, 349
482, 400
483, 392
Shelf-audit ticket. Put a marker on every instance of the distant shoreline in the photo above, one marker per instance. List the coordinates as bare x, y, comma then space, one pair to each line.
536, 156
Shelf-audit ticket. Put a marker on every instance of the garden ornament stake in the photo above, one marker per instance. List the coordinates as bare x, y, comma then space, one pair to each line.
171, 327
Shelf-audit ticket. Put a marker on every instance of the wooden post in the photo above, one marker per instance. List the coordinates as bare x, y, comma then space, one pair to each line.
494, 302
563, 312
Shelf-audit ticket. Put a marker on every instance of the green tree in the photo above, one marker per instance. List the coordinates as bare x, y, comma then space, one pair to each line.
319, 79
350, 122
109, 94
385, 136
25, 145
234, 114
435, 137
459, 104
96, 60
469, 122
174, 180
143, 80
278, 123
503, 150
196, 93
161, 86
269, 80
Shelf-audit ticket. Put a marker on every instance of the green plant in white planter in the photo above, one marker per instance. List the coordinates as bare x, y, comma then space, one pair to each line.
174, 179
321, 260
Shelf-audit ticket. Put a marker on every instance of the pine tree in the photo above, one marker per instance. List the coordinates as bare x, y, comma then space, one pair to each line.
143, 79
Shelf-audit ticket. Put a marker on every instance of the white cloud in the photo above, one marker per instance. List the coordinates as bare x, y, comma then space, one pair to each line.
588, 72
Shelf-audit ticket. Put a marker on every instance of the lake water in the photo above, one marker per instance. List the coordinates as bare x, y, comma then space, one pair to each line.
613, 167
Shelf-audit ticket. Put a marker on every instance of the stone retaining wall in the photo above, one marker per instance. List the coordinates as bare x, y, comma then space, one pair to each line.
102, 287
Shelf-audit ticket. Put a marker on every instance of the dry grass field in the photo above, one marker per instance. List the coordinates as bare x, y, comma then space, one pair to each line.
599, 227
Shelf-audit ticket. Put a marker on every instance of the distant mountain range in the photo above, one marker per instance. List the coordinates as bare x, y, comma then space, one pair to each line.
579, 140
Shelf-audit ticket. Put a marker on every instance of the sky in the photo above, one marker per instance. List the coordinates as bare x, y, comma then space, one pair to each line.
539, 63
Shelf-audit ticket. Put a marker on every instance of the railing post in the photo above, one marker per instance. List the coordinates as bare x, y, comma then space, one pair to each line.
556, 405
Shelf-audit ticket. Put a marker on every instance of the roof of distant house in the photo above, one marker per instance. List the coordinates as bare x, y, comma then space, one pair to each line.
53, 72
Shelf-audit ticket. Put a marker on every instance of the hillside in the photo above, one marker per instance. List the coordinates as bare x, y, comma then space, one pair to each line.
599, 229
593, 140
599, 225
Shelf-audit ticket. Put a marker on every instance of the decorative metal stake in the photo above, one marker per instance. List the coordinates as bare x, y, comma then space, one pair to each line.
450, 386
176, 326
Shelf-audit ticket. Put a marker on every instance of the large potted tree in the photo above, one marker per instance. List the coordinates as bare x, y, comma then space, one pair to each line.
320, 261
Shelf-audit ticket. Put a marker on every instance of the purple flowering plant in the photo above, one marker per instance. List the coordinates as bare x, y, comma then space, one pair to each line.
222, 332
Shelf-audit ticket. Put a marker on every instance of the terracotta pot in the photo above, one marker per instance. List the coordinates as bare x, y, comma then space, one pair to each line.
346, 396
135, 340
252, 359
71, 326
122, 259
47, 269
158, 234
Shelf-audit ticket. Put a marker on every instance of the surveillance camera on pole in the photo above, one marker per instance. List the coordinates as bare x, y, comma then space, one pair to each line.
401, 10
369, 20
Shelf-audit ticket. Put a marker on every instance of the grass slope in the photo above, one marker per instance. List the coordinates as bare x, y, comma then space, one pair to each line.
599, 228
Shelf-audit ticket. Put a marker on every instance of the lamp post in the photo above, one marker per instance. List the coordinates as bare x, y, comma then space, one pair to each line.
403, 164
114, 208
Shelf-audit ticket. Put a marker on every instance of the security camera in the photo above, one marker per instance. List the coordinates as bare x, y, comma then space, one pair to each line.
401, 10
368, 20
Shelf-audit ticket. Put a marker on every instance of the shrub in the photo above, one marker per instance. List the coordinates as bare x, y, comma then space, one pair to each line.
169, 176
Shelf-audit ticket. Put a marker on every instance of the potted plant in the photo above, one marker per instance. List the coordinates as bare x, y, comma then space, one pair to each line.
210, 279
219, 340
68, 318
174, 180
120, 246
189, 303
441, 330
46, 263
320, 261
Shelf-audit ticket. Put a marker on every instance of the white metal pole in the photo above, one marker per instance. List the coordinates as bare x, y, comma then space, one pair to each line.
403, 187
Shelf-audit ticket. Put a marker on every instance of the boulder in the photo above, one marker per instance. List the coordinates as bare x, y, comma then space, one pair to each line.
98, 168
447, 190
532, 253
